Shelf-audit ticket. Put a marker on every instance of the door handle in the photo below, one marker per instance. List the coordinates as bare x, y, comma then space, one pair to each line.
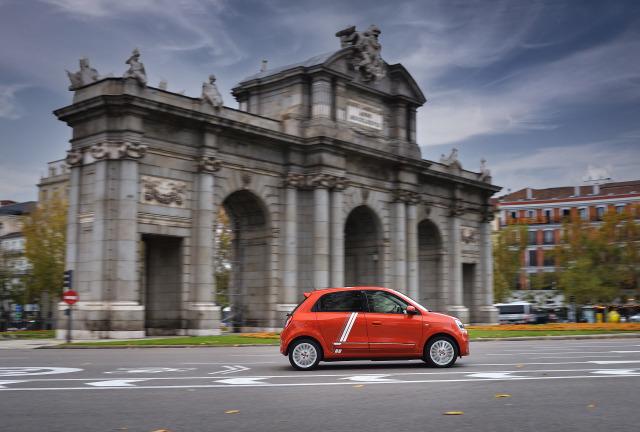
376, 322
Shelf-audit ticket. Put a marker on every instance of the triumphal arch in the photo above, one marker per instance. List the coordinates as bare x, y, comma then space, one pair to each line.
321, 176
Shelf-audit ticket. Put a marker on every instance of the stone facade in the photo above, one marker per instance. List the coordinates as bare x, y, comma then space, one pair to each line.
322, 178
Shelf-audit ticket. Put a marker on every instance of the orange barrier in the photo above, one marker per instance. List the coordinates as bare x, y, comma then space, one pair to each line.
561, 326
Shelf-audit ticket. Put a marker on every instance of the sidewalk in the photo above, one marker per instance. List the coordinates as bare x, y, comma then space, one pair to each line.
27, 343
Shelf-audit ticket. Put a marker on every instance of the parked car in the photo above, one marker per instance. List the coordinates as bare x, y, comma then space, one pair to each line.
634, 318
516, 313
369, 323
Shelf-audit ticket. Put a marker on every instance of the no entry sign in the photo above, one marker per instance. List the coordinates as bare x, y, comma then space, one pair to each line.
70, 297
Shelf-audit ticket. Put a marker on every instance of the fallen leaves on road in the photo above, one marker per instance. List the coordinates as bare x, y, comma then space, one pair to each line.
519, 365
591, 405
502, 395
358, 386
232, 412
161, 430
454, 413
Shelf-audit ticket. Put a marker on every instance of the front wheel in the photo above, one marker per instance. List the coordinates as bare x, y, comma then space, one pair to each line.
441, 352
304, 354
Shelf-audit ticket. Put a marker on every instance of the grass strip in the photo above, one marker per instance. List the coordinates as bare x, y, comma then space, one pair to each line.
478, 334
28, 334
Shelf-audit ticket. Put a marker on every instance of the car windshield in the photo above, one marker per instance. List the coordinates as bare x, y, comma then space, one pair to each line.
399, 294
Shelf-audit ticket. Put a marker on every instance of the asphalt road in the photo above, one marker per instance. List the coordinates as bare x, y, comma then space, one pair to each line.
581, 385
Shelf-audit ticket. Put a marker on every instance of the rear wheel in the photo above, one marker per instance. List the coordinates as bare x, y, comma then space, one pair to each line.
304, 354
441, 352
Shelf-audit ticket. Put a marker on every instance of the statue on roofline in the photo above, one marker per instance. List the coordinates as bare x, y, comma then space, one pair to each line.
136, 68
86, 75
367, 59
211, 94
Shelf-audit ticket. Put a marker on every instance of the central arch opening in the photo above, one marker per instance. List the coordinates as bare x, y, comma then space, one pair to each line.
363, 248
429, 256
249, 279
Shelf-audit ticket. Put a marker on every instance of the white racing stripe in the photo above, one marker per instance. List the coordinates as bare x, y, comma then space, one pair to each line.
347, 328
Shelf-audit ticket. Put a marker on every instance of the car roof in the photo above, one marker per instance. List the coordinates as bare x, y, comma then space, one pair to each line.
321, 291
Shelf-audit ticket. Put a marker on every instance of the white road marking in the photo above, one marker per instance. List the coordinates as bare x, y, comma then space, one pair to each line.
549, 353
625, 352
242, 381
370, 378
627, 372
151, 370
573, 356
506, 375
321, 384
613, 361
226, 363
230, 369
4, 383
26, 371
116, 383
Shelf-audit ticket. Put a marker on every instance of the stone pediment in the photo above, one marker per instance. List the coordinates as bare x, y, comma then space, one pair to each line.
397, 81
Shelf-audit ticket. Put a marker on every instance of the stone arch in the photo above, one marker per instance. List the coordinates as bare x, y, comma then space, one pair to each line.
363, 248
249, 286
430, 277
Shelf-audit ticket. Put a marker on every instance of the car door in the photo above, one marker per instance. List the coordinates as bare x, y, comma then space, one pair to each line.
390, 328
341, 319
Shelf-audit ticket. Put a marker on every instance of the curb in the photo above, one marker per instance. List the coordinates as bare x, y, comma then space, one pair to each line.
61, 346
568, 337
515, 338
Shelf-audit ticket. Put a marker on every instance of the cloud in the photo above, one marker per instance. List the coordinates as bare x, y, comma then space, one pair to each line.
9, 108
17, 183
569, 165
528, 100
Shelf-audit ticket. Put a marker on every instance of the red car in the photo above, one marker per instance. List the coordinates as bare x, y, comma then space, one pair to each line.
374, 323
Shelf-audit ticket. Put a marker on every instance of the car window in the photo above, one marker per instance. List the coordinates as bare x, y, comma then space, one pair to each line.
384, 302
342, 301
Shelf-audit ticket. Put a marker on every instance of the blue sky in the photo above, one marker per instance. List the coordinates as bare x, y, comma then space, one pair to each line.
546, 91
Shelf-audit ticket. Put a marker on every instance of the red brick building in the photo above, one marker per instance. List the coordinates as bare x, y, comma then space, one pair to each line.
543, 210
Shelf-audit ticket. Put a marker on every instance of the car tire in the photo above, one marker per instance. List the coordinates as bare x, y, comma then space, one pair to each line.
305, 354
440, 352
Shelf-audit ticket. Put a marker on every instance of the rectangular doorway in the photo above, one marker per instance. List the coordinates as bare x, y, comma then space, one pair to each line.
468, 288
163, 285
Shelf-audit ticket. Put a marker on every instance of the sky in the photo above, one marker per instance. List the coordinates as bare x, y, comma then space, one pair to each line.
548, 91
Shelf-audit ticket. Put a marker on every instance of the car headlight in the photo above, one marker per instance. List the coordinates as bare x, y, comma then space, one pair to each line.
460, 325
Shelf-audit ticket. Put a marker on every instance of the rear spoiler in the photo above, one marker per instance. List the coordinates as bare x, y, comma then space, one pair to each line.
307, 294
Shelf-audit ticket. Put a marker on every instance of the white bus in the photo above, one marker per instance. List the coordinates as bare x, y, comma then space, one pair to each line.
516, 313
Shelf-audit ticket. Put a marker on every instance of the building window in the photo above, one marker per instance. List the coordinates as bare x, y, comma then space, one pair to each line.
531, 213
548, 237
566, 213
600, 212
583, 212
532, 239
548, 260
514, 214
548, 218
620, 208
533, 258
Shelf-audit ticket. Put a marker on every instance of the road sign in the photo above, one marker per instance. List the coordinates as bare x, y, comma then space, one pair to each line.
70, 297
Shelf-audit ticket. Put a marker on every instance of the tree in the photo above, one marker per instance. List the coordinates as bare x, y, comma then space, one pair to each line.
508, 246
45, 241
222, 265
598, 261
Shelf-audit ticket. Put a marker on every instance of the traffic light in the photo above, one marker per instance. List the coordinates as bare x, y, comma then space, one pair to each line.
68, 279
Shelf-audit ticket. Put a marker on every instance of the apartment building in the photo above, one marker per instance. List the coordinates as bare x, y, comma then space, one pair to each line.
543, 211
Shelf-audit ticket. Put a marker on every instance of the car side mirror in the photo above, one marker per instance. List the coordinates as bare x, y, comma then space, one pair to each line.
411, 310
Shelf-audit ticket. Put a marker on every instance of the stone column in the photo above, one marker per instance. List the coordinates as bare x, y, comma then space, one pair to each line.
321, 97
412, 250
203, 313
290, 267
456, 307
486, 313
321, 183
74, 161
337, 233
399, 244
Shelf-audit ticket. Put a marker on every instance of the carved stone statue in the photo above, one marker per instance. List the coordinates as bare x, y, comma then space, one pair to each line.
452, 159
86, 75
485, 173
211, 94
136, 68
367, 59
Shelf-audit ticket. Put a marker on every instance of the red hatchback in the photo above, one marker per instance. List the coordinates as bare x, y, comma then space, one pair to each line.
374, 323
